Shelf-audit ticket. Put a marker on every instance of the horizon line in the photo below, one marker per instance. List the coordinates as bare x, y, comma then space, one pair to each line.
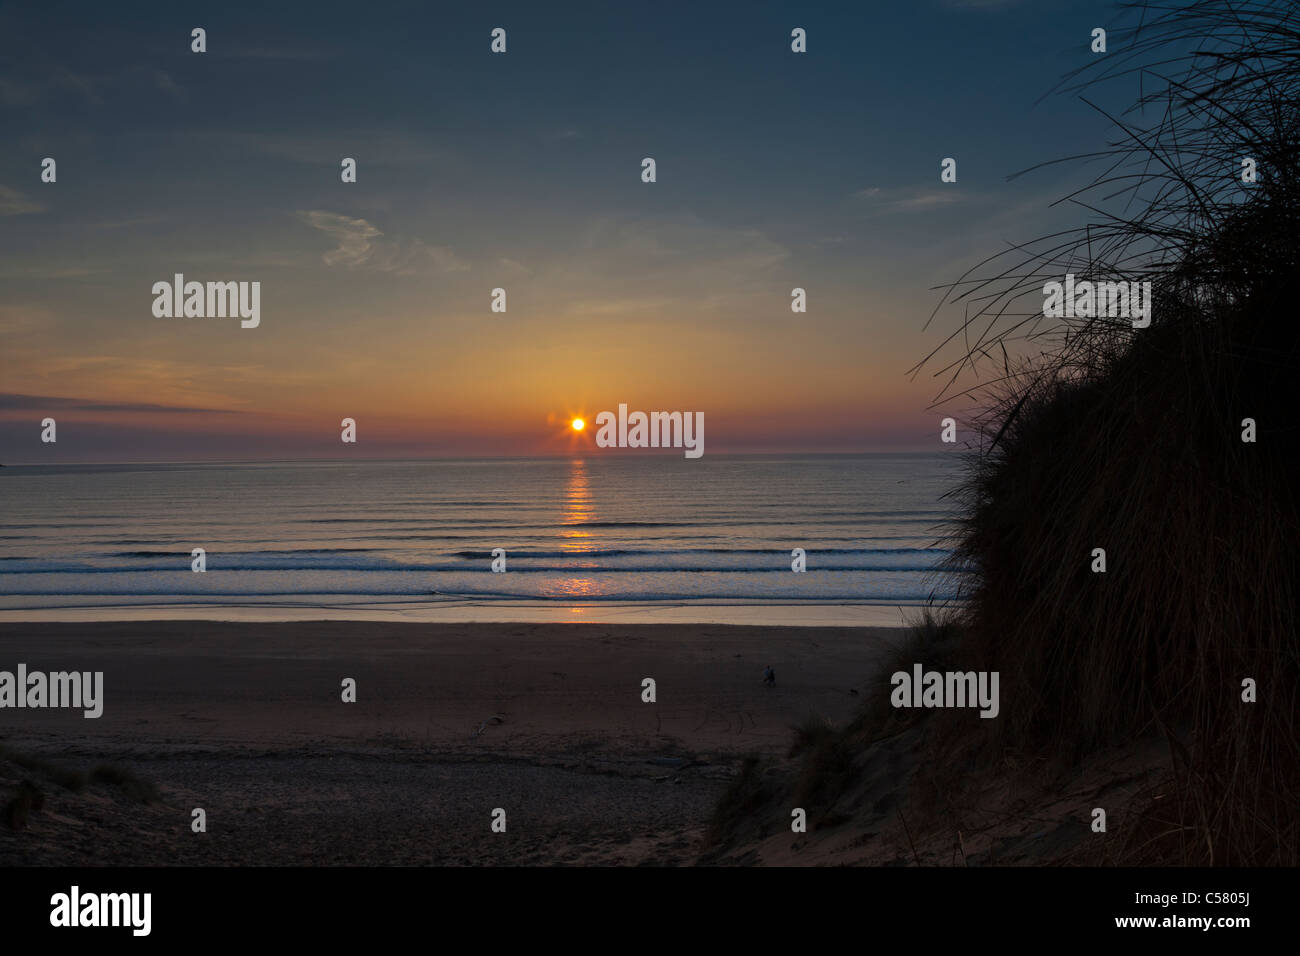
553, 457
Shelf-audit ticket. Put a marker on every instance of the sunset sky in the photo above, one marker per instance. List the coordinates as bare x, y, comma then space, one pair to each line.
521, 171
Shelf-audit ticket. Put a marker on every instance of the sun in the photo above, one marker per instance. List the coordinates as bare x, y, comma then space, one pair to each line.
579, 424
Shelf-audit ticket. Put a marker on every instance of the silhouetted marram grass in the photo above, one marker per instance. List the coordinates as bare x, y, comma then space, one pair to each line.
1100, 435
1130, 440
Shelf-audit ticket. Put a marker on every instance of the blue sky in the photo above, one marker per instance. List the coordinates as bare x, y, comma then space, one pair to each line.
522, 171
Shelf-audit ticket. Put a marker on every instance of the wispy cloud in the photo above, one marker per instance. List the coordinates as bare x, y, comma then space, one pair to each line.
676, 264
11, 401
163, 82
52, 79
14, 203
38, 84
370, 147
276, 53
45, 270
510, 267
14, 93
925, 200
362, 245
23, 318
881, 202
129, 222
683, 243
979, 4
200, 385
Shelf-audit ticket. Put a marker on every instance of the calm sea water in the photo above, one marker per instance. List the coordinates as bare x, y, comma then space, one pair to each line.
637, 529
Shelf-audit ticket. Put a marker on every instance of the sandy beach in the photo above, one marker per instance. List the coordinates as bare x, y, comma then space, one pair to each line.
451, 721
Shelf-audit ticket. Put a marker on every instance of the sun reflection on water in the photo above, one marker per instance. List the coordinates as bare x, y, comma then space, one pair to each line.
579, 509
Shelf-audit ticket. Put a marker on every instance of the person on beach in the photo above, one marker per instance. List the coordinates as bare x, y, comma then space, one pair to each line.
769, 676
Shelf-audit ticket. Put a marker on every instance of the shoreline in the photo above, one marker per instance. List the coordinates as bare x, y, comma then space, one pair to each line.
811, 614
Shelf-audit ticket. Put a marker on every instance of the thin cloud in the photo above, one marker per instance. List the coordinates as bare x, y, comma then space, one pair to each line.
381, 148
361, 245
511, 267
276, 53
14, 203
12, 401
657, 265
51, 80
979, 4
39, 270
354, 237
925, 200
128, 223
918, 200
163, 82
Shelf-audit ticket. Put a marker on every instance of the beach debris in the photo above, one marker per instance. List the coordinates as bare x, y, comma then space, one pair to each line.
675, 762
490, 722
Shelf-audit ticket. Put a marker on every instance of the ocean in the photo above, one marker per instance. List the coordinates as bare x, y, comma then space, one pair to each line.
648, 530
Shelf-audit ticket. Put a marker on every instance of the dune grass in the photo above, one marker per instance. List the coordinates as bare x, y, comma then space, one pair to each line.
30, 794
1131, 440
1105, 436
